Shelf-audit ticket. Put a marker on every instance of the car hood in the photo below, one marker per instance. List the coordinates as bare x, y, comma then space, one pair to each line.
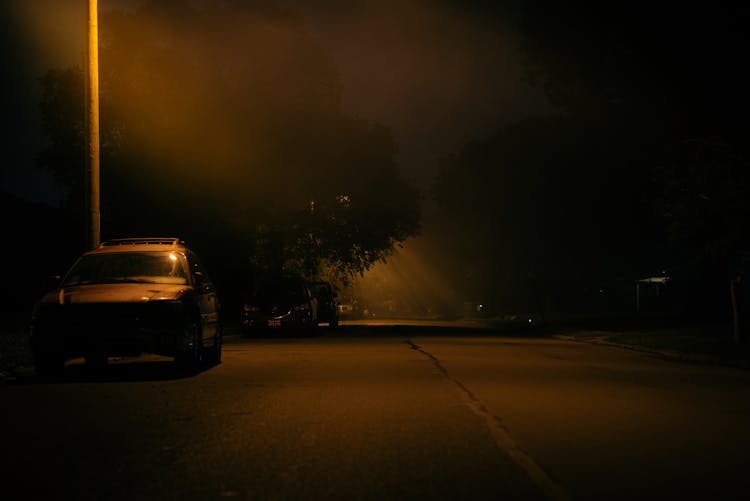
116, 293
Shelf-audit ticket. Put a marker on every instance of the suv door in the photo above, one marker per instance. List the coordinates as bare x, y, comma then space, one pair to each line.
208, 302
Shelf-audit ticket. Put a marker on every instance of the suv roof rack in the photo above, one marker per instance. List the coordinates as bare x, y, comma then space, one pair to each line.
143, 241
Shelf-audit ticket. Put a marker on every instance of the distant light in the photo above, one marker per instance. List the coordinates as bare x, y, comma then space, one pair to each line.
172, 257
344, 200
529, 320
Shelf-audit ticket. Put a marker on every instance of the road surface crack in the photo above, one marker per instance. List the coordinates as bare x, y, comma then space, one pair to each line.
499, 431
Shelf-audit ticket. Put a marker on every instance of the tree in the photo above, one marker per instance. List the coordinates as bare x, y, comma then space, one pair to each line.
667, 81
677, 66
223, 124
595, 190
541, 203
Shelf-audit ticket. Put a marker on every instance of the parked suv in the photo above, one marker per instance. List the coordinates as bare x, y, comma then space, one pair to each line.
127, 297
328, 308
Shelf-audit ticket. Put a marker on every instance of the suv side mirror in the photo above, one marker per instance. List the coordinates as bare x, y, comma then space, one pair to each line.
51, 282
200, 279
202, 283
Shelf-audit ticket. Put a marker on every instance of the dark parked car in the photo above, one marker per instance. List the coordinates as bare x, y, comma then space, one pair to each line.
279, 303
328, 308
127, 297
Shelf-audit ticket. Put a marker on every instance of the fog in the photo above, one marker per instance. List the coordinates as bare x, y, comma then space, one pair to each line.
267, 109
437, 73
221, 119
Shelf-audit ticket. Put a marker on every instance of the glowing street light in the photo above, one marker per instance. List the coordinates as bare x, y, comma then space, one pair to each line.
93, 230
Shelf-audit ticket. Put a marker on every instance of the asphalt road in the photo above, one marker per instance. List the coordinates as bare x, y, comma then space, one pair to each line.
381, 413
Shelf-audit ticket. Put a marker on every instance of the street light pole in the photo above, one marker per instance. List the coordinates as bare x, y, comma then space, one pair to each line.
93, 229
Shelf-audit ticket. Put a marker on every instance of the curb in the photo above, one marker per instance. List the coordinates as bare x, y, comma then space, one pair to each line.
15, 373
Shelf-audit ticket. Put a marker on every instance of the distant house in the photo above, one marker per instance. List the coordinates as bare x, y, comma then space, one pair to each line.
649, 291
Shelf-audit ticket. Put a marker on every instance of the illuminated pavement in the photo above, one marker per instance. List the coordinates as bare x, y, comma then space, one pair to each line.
382, 412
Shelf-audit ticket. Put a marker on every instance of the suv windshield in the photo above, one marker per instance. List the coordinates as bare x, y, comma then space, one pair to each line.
129, 267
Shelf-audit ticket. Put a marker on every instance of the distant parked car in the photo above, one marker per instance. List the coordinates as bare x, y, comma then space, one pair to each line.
275, 303
327, 304
129, 296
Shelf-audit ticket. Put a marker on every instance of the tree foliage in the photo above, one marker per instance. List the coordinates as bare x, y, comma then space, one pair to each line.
671, 80
705, 200
222, 124
547, 198
677, 65
647, 144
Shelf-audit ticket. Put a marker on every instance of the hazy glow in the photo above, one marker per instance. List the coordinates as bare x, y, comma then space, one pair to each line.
407, 286
438, 74
53, 29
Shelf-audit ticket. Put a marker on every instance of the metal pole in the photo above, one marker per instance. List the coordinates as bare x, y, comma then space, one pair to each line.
93, 235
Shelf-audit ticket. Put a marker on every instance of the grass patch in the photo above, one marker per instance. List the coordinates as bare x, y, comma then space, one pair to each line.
712, 344
14, 351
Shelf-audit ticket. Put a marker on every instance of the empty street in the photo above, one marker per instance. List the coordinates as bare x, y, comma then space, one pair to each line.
381, 412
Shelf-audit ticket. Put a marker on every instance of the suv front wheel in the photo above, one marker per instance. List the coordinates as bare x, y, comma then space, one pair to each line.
212, 354
191, 356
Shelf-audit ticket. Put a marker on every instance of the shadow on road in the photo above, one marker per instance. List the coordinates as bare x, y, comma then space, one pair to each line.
120, 371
